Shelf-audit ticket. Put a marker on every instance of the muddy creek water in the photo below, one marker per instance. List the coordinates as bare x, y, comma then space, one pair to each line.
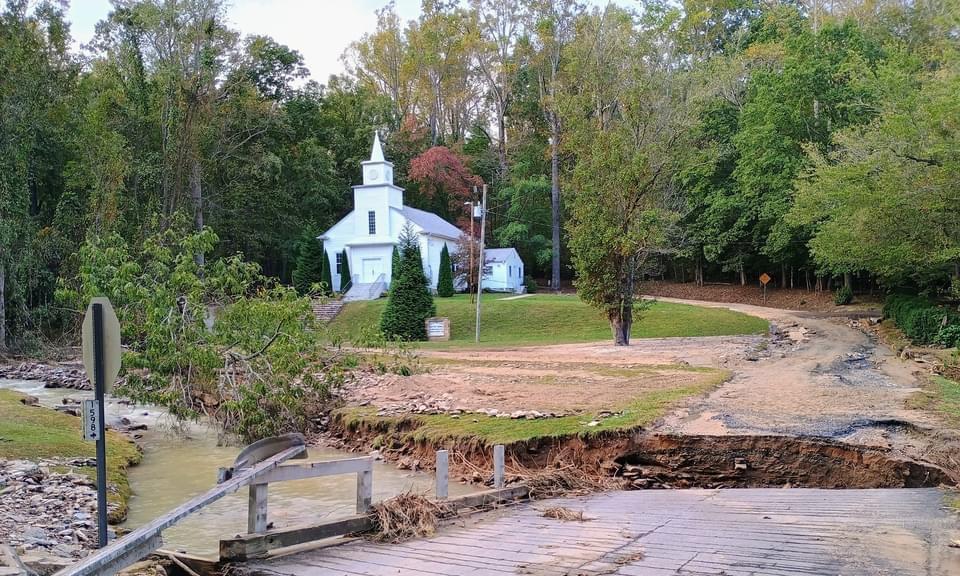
181, 462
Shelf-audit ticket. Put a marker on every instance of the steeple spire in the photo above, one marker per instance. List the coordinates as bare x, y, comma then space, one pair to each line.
376, 155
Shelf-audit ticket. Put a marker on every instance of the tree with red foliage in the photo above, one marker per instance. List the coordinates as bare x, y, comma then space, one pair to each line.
444, 182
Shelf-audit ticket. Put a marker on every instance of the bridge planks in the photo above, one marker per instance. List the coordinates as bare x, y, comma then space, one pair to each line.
691, 532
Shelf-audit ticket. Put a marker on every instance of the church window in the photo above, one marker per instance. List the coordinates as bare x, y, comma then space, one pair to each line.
339, 262
372, 222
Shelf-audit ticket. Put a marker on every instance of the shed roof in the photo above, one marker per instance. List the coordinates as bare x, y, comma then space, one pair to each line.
494, 255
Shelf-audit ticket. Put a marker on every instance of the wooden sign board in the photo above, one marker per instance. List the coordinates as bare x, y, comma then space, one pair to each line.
438, 329
111, 343
764, 278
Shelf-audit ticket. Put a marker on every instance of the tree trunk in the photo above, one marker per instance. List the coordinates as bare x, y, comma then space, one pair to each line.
743, 275
196, 194
620, 324
555, 201
783, 275
3, 310
848, 280
502, 139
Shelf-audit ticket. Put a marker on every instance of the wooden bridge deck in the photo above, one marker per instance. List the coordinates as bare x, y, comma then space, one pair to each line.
772, 532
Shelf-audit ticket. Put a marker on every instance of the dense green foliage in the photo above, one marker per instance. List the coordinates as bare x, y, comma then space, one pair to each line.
410, 302
309, 270
220, 338
923, 321
445, 275
711, 140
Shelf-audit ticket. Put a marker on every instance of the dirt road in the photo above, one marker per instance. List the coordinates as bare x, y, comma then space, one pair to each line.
825, 378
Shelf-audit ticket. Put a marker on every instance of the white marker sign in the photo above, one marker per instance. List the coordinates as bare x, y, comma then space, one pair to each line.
91, 420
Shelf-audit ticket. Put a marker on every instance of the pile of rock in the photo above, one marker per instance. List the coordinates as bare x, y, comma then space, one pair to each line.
47, 513
61, 376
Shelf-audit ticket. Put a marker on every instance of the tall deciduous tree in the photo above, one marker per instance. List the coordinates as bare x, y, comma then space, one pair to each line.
625, 119
552, 25
443, 181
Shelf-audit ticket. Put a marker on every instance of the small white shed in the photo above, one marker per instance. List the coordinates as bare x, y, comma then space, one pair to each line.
505, 270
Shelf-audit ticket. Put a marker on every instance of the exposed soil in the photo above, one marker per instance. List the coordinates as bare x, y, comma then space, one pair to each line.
550, 386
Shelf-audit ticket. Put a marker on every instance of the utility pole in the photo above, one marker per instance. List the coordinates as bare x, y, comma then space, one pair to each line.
470, 269
483, 230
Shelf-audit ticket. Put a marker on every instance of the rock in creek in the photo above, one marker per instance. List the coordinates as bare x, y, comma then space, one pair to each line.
53, 376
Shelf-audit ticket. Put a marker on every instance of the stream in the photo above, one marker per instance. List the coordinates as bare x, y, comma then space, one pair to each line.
180, 462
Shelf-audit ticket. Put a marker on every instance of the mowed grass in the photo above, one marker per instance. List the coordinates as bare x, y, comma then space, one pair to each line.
943, 396
35, 433
550, 319
636, 412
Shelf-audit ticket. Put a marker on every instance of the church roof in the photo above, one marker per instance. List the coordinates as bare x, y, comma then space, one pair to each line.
495, 255
431, 223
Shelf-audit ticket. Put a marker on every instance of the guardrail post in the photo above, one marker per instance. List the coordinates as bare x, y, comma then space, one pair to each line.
365, 489
443, 468
498, 454
257, 509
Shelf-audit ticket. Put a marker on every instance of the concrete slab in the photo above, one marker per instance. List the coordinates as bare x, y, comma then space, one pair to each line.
774, 532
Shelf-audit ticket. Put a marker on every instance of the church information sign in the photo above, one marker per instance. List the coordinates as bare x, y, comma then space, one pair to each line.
438, 329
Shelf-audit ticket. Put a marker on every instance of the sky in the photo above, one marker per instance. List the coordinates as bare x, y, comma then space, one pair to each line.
319, 29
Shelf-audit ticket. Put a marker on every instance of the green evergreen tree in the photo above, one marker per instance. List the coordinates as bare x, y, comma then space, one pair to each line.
410, 302
309, 268
326, 278
346, 280
395, 263
445, 276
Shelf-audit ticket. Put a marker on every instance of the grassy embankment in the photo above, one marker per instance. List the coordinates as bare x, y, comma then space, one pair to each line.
544, 320
35, 433
550, 319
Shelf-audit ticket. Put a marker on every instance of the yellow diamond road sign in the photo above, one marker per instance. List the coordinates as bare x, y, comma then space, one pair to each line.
764, 278
111, 343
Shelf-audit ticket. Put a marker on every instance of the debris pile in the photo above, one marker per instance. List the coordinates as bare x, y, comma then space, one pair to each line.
63, 376
47, 513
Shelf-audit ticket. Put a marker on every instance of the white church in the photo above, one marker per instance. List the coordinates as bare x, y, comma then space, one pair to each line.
373, 228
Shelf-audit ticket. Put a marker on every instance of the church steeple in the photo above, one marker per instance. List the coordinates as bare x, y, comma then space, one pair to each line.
376, 155
377, 170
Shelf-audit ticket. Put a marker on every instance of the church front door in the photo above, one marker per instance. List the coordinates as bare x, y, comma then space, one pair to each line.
372, 269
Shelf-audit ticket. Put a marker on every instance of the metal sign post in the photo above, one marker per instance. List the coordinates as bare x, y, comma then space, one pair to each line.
764, 279
101, 357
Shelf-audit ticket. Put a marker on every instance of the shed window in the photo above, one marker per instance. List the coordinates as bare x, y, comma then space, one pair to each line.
509, 271
339, 262
372, 222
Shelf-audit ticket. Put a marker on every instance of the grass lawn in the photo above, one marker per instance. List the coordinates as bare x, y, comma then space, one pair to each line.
636, 412
942, 395
35, 433
551, 319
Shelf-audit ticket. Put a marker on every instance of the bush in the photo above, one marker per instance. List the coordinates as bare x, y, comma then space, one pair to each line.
949, 336
531, 284
843, 296
445, 277
410, 302
346, 279
920, 319
310, 264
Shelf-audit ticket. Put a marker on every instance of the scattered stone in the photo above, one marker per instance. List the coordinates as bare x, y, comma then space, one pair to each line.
53, 376
593, 423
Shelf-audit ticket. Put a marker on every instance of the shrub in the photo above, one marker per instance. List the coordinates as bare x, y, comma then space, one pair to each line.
920, 319
531, 284
410, 302
346, 280
309, 270
843, 296
326, 278
949, 336
445, 277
